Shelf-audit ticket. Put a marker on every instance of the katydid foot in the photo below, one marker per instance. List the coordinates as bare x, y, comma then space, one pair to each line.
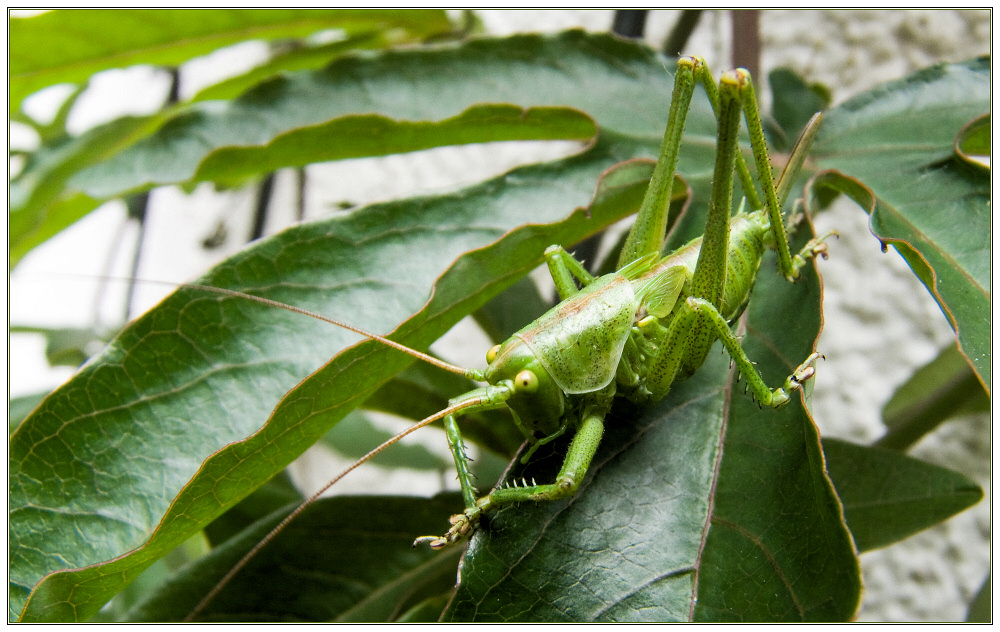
815, 248
781, 396
462, 525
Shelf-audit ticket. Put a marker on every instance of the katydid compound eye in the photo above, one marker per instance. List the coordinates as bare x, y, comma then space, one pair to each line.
491, 355
526, 381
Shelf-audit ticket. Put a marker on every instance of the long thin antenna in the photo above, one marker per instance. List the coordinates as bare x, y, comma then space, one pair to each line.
207, 599
472, 374
469, 373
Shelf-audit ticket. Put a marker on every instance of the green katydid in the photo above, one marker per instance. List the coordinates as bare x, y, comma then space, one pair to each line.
633, 332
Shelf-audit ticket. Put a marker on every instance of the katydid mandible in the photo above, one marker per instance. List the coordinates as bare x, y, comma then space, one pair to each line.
633, 332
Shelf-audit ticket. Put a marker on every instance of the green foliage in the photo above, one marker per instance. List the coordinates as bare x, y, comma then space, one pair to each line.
70, 46
700, 507
925, 199
888, 496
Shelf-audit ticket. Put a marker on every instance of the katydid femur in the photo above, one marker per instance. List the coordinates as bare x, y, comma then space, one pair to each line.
633, 332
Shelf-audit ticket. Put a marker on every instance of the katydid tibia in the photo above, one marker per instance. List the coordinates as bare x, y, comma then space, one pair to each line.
633, 332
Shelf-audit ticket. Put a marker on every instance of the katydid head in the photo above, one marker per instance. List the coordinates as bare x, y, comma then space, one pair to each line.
537, 399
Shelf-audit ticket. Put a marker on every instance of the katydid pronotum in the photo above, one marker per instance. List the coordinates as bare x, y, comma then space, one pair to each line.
633, 332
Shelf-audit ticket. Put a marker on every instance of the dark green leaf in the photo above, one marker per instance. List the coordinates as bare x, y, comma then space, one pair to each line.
888, 496
275, 494
795, 102
298, 58
358, 106
355, 435
374, 135
170, 416
20, 407
981, 610
369, 573
70, 46
945, 387
893, 150
306, 117
777, 548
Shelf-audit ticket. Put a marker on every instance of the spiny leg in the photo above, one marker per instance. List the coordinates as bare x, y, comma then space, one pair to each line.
650, 225
739, 80
761, 391
737, 94
574, 468
709, 278
712, 90
738, 85
564, 267
775, 195
490, 398
647, 233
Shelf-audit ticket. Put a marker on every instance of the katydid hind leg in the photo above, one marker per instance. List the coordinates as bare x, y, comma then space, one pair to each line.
707, 314
646, 234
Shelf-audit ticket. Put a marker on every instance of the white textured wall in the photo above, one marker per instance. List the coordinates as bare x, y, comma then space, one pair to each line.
881, 323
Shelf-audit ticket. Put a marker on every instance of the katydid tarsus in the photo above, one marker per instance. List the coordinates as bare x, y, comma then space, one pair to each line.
633, 332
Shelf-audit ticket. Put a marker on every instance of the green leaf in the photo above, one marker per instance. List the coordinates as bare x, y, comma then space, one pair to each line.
169, 417
313, 116
945, 387
893, 152
67, 346
374, 135
379, 574
777, 548
888, 496
298, 58
273, 495
70, 46
20, 407
980, 610
359, 106
631, 546
795, 102
974, 140
40, 205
